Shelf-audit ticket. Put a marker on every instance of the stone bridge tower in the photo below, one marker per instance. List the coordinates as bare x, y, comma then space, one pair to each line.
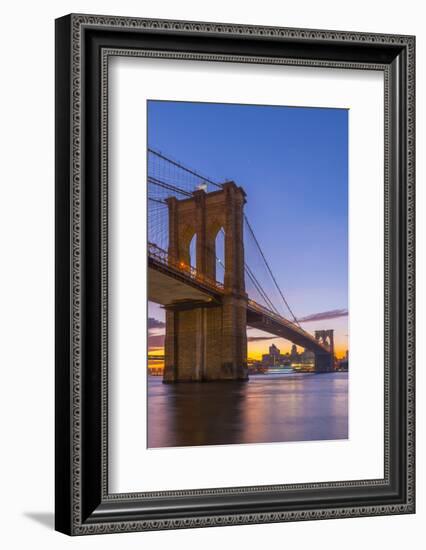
208, 341
324, 362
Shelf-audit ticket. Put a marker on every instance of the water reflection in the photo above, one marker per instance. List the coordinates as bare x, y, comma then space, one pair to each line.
267, 408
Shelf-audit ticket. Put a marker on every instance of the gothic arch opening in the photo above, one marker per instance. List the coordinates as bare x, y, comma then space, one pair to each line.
193, 251
220, 255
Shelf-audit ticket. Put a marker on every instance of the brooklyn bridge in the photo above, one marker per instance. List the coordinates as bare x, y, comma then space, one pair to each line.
200, 272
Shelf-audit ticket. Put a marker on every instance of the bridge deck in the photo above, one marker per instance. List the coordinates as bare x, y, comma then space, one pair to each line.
267, 321
167, 278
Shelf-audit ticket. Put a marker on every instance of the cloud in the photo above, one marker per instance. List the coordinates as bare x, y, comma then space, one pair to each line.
324, 315
155, 323
155, 341
257, 338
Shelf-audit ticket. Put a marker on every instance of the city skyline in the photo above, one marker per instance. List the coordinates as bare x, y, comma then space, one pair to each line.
292, 163
258, 342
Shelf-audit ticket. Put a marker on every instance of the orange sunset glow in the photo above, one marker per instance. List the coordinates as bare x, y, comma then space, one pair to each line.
257, 347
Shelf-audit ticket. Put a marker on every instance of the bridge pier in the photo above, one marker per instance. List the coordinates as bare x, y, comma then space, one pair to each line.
208, 341
324, 362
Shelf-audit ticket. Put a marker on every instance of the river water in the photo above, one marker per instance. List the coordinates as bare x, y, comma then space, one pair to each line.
267, 408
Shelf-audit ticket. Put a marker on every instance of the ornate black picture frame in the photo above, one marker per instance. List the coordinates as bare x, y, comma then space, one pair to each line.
83, 46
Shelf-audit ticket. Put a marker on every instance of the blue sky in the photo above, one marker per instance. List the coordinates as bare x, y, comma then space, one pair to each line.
293, 165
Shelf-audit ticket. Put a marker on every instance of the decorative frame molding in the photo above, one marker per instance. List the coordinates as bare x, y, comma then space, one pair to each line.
83, 47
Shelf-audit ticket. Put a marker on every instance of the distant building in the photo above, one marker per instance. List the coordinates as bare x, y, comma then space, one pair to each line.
274, 357
307, 357
294, 356
343, 364
300, 360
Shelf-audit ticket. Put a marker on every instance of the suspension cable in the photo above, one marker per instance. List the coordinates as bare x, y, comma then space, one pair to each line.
175, 163
254, 280
170, 187
270, 271
260, 289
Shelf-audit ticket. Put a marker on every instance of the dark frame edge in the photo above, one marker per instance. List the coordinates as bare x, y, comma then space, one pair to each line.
99, 516
63, 494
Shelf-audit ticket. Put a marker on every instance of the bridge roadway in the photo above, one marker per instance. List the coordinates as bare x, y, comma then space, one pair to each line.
172, 278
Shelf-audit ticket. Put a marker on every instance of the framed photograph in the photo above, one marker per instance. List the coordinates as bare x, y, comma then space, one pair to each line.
234, 274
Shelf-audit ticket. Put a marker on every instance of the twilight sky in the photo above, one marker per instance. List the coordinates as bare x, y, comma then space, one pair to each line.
293, 164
